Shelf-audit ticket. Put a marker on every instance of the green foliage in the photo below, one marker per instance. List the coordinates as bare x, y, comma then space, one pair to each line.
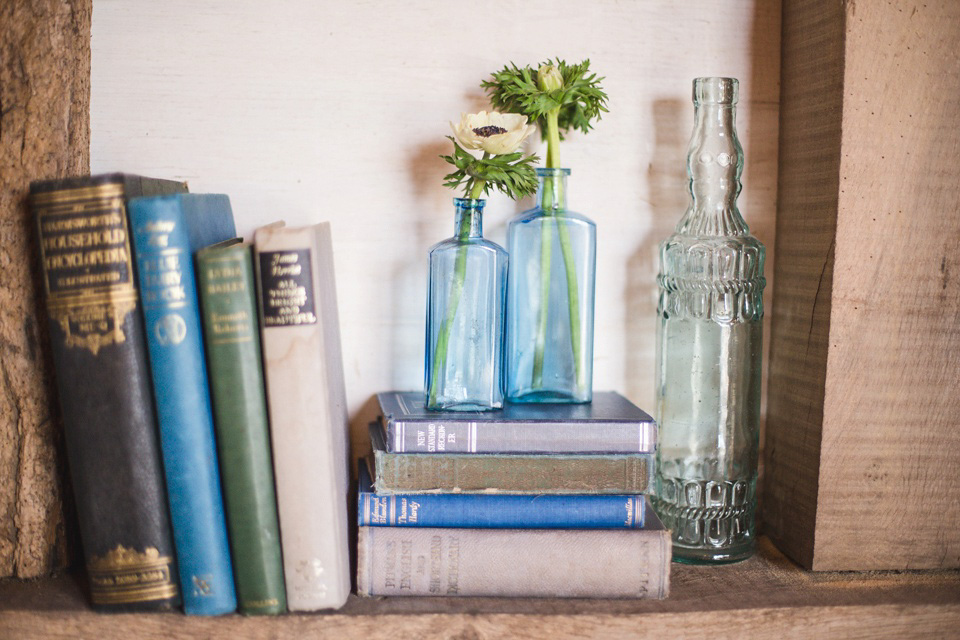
581, 99
510, 173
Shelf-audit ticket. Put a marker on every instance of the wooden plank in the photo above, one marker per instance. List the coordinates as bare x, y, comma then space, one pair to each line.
890, 462
765, 596
862, 451
811, 102
44, 133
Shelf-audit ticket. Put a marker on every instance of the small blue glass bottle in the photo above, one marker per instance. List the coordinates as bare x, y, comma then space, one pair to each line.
466, 293
550, 295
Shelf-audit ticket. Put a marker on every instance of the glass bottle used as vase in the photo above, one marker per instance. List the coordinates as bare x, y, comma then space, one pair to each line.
550, 297
466, 292
709, 339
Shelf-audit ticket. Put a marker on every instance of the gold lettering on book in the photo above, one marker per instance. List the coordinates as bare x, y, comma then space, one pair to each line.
230, 324
127, 575
256, 604
87, 260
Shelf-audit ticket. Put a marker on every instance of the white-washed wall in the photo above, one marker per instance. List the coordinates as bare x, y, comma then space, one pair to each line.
322, 110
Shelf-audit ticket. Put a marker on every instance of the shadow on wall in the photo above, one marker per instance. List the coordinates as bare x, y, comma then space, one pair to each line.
431, 216
667, 186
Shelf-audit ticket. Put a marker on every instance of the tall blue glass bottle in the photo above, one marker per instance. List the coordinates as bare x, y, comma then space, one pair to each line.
466, 294
550, 294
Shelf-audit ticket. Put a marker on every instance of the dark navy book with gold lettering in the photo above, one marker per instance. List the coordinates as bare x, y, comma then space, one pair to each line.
167, 230
100, 357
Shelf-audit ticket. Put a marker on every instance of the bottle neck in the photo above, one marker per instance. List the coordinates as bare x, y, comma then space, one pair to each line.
552, 192
469, 218
714, 166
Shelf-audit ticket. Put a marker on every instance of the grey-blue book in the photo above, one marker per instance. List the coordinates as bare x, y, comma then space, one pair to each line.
609, 424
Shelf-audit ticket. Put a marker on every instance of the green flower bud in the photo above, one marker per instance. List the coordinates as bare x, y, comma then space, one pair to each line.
549, 78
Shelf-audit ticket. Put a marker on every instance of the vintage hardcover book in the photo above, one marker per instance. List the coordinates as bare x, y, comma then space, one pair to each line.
543, 563
103, 378
620, 473
609, 424
303, 368
486, 511
167, 230
232, 339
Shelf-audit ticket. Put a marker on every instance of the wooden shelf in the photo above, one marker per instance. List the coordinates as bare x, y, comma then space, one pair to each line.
767, 596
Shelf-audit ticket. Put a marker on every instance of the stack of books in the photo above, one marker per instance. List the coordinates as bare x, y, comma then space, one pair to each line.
544, 500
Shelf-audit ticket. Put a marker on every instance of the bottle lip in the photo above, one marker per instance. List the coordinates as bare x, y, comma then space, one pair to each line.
470, 203
552, 172
716, 91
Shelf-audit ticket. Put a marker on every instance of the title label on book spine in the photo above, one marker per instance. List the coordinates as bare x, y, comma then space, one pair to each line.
285, 278
87, 263
224, 282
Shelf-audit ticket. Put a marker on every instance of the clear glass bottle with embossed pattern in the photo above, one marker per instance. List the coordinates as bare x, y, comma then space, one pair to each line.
709, 342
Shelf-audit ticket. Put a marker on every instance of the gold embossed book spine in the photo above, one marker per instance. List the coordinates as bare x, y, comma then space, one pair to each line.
100, 357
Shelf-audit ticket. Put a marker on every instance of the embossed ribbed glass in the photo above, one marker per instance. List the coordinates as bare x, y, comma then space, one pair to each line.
709, 348
465, 315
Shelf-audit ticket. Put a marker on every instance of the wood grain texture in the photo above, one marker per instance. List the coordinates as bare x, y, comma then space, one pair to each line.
890, 461
767, 596
337, 111
862, 445
44, 133
807, 193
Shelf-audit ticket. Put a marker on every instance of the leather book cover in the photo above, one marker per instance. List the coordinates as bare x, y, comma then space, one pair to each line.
539, 563
306, 400
232, 339
609, 424
619, 473
103, 379
166, 232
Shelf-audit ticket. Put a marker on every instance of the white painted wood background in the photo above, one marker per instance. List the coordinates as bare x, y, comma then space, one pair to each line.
324, 110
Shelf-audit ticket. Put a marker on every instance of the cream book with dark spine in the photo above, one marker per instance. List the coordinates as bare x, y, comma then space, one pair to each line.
303, 368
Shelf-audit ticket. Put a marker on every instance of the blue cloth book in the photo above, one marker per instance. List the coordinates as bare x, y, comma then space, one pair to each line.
167, 230
502, 511
609, 424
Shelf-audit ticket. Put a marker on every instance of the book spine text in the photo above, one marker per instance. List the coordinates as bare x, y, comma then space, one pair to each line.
100, 356
232, 338
168, 287
397, 561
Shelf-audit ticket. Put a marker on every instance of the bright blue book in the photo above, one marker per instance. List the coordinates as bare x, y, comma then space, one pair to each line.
502, 511
167, 230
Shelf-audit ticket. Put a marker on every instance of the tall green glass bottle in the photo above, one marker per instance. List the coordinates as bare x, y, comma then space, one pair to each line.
709, 345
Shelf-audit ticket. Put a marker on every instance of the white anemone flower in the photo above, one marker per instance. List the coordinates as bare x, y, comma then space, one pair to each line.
493, 132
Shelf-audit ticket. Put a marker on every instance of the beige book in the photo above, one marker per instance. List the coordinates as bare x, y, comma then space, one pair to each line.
303, 368
541, 563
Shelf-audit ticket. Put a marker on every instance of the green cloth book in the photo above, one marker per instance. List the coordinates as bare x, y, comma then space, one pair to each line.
621, 473
232, 336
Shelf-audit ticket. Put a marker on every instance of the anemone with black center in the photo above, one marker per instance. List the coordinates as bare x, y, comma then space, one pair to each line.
489, 130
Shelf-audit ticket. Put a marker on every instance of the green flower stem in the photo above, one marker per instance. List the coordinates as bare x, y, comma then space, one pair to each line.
456, 291
546, 248
552, 198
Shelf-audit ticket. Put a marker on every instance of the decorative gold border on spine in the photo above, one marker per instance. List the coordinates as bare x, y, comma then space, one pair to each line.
125, 575
112, 303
